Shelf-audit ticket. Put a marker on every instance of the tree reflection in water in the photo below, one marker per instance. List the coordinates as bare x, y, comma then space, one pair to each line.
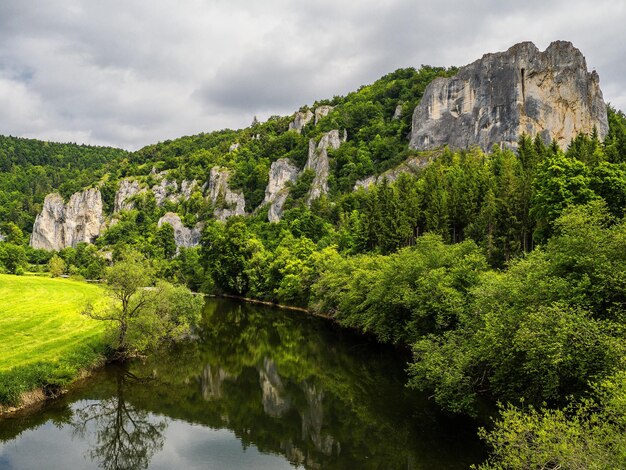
125, 436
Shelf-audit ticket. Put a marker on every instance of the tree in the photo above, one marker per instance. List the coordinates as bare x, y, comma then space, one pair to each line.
165, 241
12, 257
56, 266
560, 182
142, 316
14, 234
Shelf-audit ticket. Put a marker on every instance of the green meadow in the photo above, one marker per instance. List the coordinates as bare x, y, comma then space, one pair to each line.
44, 340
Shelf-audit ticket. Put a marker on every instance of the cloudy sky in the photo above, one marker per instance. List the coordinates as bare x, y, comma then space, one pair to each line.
132, 72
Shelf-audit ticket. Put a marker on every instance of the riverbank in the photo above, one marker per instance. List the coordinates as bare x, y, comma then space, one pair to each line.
45, 343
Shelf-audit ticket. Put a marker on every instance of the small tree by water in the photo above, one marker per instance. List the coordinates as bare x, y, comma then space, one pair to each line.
143, 314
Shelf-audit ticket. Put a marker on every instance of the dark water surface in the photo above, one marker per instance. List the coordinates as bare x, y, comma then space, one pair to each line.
260, 389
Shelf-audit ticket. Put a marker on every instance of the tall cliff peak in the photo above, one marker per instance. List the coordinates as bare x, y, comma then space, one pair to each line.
62, 225
502, 95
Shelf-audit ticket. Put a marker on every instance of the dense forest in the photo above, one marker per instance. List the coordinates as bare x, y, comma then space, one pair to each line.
504, 272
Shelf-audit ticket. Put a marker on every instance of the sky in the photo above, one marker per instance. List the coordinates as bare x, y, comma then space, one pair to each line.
129, 73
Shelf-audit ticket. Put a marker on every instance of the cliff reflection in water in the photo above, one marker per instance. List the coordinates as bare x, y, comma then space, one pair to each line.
288, 385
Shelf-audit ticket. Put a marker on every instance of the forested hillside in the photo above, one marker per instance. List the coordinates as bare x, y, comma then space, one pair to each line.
30, 169
504, 271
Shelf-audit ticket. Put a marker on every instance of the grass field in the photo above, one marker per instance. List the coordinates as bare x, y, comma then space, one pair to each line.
41, 328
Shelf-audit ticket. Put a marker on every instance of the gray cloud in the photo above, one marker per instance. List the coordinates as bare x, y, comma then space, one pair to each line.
133, 73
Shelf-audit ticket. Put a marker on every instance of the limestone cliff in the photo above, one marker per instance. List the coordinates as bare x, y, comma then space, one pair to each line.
126, 190
318, 162
226, 202
500, 96
281, 173
183, 236
322, 111
62, 225
166, 190
300, 119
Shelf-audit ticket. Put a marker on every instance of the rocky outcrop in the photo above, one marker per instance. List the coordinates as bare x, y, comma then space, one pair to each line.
234, 146
169, 190
227, 203
318, 162
183, 236
322, 111
166, 190
187, 187
126, 190
412, 165
300, 119
62, 225
397, 114
281, 173
500, 96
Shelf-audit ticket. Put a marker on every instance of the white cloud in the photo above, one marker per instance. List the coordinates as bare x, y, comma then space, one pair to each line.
133, 73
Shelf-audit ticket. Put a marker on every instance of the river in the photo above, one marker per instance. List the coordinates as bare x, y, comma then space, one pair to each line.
260, 388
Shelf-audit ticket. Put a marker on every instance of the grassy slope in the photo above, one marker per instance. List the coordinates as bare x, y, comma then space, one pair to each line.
41, 329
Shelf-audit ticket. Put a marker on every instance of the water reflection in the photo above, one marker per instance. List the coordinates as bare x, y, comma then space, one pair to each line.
260, 389
125, 436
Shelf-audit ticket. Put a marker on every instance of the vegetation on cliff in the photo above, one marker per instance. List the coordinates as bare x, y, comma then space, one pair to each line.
503, 271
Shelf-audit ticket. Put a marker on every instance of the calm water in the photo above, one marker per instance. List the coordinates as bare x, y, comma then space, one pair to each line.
260, 389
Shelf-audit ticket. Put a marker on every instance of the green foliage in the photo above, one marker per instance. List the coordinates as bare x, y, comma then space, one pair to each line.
417, 291
542, 329
615, 140
587, 435
31, 169
12, 257
141, 316
225, 251
165, 242
56, 266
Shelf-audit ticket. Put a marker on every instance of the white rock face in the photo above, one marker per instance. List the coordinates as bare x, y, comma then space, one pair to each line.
318, 162
322, 111
63, 225
234, 146
183, 236
300, 120
227, 203
282, 172
166, 190
397, 114
126, 190
187, 187
496, 99
410, 165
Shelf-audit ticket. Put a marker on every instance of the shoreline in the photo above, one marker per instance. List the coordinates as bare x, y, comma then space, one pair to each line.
38, 396
274, 304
